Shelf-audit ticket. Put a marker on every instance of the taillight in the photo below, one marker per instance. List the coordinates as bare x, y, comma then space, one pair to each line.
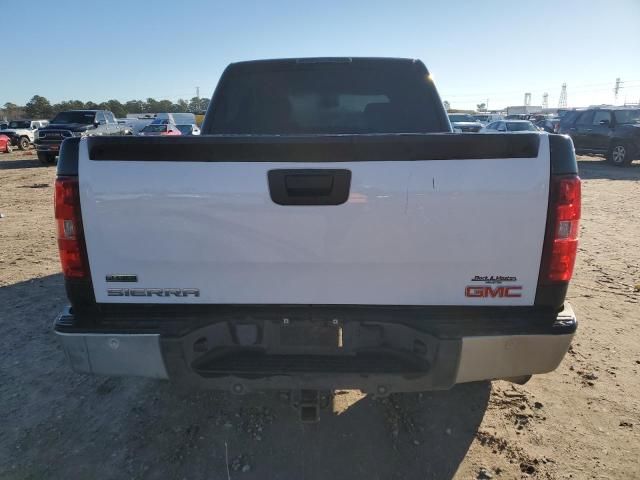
561, 241
70, 235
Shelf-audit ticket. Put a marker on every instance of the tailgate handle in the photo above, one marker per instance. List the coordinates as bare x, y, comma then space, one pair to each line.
309, 186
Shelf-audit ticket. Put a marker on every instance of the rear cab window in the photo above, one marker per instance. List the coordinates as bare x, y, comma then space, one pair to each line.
521, 127
75, 116
627, 116
349, 97
569, 117
601, 115
458, 117
155, 128
586, 118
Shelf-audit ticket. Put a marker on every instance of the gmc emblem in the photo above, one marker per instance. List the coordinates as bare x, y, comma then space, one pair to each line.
493, 292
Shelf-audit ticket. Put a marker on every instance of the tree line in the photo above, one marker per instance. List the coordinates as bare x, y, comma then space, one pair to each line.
41, 108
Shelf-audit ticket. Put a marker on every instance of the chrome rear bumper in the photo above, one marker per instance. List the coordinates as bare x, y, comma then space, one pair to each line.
463, 358
136, 354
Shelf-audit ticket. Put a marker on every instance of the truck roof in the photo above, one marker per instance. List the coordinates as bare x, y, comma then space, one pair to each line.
288, 62
613, 107
26, 120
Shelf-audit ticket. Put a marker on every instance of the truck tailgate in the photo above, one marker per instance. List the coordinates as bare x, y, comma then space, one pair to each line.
430, 228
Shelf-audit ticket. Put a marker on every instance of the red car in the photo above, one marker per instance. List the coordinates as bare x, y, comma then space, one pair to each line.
5, 144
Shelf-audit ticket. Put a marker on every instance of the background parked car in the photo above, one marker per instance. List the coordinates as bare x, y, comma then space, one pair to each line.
23, 132
3, 125
487, 118
175, 118
549, 125
135, 124
75, 123
536, 117
464, 122
160, 129
189, 129
613, 132
5, 144
510, 126
517, 116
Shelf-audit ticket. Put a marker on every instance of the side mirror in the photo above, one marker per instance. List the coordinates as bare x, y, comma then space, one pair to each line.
96, 124
604, 122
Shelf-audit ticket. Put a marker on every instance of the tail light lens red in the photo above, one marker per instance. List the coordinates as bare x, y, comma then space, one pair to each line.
70, 235
561, 243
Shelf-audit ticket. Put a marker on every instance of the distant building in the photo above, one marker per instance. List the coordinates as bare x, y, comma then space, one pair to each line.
523, 109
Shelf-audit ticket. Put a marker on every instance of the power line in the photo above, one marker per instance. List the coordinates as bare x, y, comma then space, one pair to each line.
631, 89
582, 87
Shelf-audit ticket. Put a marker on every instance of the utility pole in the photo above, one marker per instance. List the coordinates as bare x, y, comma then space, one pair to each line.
616, 89
198, 98
545, 100
562, 103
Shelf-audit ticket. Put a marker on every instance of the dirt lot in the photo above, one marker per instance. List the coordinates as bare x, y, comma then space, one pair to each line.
582, 421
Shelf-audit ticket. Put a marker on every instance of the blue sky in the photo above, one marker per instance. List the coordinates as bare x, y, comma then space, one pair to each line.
475, 49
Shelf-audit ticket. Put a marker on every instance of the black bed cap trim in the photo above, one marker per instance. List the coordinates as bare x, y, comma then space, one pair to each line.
324, 148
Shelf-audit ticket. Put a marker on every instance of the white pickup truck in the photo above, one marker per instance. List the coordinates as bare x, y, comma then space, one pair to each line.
23, 132
327, 230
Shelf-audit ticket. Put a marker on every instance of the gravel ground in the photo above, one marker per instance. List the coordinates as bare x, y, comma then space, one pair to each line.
582, 421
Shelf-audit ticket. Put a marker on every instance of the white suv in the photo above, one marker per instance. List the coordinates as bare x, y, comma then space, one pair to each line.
23, 132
